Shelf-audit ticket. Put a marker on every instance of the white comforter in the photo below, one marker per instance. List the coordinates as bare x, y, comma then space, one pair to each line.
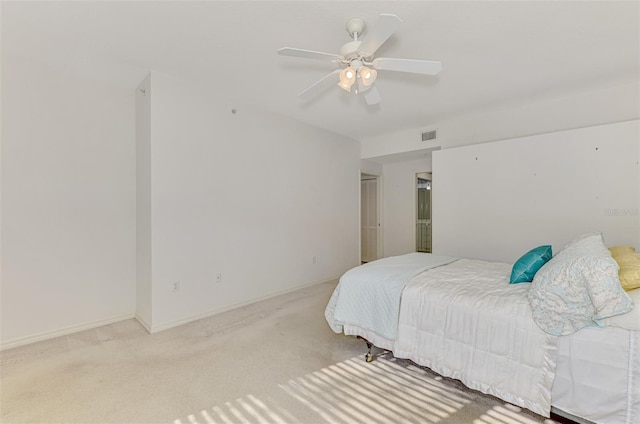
465, 321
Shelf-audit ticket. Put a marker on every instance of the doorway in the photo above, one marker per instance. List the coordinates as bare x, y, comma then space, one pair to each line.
423, 212
369, 218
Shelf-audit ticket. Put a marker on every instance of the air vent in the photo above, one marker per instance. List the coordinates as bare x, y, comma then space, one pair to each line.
429, 135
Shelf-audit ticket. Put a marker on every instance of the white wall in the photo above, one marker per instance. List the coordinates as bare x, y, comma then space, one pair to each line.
497, 200
368, 167
601, 105
68, 203
144, 287
269, 203
399, 225
250, 195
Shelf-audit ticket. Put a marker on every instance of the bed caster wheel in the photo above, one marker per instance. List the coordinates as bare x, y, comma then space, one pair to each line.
369, 357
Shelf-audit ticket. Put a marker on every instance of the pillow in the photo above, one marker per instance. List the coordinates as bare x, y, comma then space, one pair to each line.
526, 267
629, 273
578, 288
617, 250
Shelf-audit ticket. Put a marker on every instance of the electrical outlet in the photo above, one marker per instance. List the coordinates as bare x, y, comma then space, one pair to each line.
175, 287
218, 278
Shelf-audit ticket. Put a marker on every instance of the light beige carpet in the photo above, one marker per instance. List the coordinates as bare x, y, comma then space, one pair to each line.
275, 361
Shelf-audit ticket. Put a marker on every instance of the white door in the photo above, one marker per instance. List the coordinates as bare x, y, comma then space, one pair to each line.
369, 219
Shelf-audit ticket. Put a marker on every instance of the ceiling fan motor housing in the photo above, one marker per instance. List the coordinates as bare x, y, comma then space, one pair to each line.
355, 27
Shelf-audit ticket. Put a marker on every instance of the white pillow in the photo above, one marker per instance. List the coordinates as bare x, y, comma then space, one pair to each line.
577, 288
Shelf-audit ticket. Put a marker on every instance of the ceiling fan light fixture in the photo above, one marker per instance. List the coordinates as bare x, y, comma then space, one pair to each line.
361, 88
357, 65
368, 76
347, 78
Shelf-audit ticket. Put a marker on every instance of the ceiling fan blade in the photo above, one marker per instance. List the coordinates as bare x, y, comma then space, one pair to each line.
309, 54
426, 67
372, 96
319, 85
380, 32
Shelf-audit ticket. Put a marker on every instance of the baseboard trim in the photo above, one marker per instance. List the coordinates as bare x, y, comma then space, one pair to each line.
143, 323
166, 326
150, 328
21, 341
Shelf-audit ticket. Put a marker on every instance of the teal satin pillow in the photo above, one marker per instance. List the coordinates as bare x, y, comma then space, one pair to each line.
526, 267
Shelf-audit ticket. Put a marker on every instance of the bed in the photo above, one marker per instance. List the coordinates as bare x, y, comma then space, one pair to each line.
568, 342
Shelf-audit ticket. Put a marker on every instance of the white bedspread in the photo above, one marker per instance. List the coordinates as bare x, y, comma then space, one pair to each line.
368, 296
466, 322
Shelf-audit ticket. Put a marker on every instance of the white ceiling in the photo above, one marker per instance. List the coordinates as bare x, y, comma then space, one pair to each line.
494, 53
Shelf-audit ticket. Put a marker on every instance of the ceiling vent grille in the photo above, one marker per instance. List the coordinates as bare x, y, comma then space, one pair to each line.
429, 135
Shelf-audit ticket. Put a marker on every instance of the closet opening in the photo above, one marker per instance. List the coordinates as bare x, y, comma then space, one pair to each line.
423, 212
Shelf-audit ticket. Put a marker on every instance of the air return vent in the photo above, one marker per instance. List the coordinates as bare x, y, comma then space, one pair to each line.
429, 135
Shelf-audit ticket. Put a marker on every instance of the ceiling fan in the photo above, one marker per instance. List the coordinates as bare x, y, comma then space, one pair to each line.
358, 67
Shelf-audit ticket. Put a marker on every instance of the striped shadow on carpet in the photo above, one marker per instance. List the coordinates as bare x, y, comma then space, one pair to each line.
387, 390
